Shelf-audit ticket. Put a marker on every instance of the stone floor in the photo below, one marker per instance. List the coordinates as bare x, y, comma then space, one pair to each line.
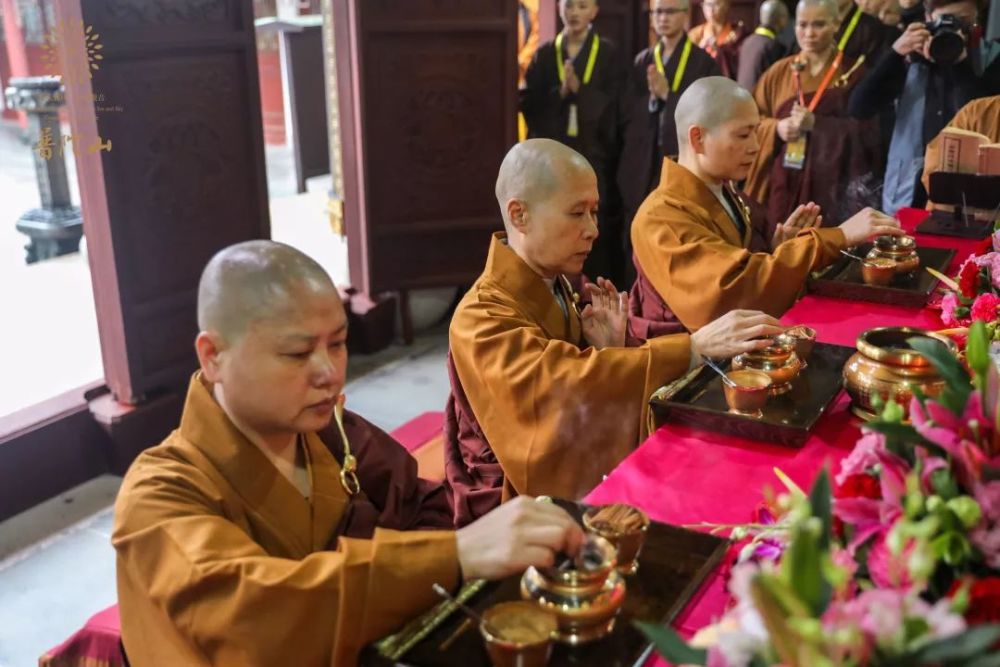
56, 561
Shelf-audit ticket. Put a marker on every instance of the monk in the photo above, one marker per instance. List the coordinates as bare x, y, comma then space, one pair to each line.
811, 150
658, 77
703, 249
256, 534
761, 49
982, 116
718, 36
571, 95
546, 399
859, 34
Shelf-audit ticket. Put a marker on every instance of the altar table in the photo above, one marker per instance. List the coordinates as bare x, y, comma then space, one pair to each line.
683, 475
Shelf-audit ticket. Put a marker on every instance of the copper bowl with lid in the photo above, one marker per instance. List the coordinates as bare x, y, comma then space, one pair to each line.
778, 352
902, 250
887, 366
781, 371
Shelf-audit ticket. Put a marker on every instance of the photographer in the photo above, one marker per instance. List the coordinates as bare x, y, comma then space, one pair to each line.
928, 75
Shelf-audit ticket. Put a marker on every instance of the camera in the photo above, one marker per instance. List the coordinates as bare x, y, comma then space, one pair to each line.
947, 42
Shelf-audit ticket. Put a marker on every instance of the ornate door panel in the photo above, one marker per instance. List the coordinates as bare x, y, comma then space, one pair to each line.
427, 97
178, 100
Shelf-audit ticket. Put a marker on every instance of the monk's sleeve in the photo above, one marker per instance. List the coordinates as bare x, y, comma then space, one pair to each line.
187, 571
540, 100
701, 277
758, 179
557, 417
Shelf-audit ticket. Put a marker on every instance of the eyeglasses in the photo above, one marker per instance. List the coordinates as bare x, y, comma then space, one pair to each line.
669, 11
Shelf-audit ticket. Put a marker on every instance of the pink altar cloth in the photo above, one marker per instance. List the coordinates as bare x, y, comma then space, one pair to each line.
683, 475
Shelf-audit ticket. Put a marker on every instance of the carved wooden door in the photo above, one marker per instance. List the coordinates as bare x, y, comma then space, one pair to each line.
177, 100
427, 96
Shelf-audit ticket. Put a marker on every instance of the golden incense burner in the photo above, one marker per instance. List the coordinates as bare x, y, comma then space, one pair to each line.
886, 365
900, 250
779, 361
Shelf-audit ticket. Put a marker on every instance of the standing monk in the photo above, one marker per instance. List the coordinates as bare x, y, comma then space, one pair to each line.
701, 248
571, 95
718, 36
545, 399
256, 534
811, 150
658, 77
762, 49
860, 33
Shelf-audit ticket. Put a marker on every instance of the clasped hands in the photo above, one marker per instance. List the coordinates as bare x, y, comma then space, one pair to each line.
794, 126
571, 82
657, 83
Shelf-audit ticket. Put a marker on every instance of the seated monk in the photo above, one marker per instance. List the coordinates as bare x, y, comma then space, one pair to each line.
811, 150
545, 399
719, 37
982, 116
255, 534
703, 249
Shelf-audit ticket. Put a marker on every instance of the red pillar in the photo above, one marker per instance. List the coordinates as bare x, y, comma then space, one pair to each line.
17, 53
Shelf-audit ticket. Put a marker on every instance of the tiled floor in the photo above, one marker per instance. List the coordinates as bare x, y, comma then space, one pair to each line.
57, 564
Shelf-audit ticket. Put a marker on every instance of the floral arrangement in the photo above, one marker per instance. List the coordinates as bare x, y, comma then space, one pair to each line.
897, 564
974, 294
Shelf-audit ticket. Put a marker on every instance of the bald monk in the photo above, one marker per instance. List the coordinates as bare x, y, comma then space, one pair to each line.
762, 49
719, 36
703, 249
546, 400
982, 116
649, 99
839, 152
867, 35
245, 539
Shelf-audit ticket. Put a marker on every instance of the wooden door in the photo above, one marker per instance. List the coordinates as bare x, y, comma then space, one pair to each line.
176, 100
427, 98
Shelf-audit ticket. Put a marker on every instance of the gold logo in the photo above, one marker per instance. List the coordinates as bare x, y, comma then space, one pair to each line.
91, 41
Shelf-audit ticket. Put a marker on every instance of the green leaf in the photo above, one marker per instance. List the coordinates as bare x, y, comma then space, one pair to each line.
802, 565
952, 547
955, 376
670, 646
820, 499
977, 352
992, 660
944, 483
892, 412
775, 618
969, 644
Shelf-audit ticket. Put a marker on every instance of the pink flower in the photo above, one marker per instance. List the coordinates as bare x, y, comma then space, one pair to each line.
986, 536
862, 457
984, 308
953, 434
948, 305
991, 261
889, 570
996, 241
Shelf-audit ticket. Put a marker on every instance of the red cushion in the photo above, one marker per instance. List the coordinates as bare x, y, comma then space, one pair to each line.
419, 430
95, 644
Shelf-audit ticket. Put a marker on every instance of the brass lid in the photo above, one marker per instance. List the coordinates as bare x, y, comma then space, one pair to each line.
888, 345
896, 245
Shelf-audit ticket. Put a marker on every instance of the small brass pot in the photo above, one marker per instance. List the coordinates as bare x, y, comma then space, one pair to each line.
802, 337
781, 372
878, 271
901, 250
887, 366
585, 604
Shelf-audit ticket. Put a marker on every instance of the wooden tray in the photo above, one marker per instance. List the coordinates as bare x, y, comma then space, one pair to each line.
673, 563
787, 418
942, 223
842, 280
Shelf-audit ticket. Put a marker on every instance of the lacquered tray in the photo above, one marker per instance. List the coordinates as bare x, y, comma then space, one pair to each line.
787, 419
942, 223
673, 563
842, 280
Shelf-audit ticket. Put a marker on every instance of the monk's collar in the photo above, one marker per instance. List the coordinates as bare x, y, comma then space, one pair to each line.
505, 267
681, 179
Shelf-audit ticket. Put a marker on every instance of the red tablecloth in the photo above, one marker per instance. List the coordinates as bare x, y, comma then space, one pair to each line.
684, 475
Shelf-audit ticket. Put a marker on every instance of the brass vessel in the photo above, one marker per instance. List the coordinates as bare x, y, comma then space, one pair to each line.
779, 361
584, 602
887, 366
901, 250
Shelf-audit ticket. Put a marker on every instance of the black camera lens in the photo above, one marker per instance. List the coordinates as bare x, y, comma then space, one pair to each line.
946, 43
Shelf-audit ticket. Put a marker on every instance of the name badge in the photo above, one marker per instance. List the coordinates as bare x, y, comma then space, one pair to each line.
572, 126
795, 154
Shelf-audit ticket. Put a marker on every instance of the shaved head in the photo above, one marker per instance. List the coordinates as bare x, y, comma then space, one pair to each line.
253, 281
708, 103
773, 12
829, 6
533, 170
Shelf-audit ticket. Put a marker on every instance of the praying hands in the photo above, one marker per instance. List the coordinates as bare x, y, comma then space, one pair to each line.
605, 318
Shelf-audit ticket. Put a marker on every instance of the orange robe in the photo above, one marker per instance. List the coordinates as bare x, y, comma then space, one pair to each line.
534, 410
724, 48
690, 252
841, 150
982, 116
221, 561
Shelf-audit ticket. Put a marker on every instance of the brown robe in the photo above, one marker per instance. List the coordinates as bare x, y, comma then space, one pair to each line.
694, 266
757, 53
222, 561
726, 50
649, 130
982, 116
532, 409
842, 168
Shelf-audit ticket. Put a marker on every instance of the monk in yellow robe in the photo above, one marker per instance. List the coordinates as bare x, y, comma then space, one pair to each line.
546, 399
811, 150
702, 248
719, 36
257, 535
982, 116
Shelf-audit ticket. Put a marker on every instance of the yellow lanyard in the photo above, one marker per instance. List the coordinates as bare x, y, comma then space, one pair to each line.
767, 32
679, 74
591, 59
850, 29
